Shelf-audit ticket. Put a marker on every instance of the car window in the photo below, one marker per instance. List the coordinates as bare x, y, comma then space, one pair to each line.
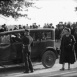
48, 35
16, 37
41, 35
36, 36
45, 35
5, 39
32, 34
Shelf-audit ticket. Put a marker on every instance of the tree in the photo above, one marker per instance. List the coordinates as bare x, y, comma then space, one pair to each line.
14, 7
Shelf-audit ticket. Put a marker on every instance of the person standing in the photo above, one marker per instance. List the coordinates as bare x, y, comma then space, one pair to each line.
75, 35
67, 54
27, 42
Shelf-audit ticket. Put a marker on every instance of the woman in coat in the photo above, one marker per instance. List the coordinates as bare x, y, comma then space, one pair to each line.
67, 54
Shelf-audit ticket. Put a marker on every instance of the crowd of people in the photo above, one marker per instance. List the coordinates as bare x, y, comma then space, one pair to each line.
61, 26
66, 32
4, 27
58, 29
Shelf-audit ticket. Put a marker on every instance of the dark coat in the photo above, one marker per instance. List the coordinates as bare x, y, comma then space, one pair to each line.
67, 54
75, 35
58, 34
28, 41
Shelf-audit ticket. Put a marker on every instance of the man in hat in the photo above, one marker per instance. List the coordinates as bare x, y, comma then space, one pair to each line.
27, 42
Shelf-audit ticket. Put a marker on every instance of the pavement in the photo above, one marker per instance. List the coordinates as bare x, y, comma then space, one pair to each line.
41, 71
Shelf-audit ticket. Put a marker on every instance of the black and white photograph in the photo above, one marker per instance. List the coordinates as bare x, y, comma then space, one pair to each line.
38, 38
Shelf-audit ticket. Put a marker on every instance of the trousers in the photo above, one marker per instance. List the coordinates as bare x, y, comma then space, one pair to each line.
27, 60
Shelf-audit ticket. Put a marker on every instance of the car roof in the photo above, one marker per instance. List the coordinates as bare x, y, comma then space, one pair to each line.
37, 29
23, 30
10, 32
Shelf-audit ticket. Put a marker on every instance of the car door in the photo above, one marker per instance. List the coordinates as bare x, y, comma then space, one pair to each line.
42, 44
50, 38
39, 43
36, 42
16, 48
5, 48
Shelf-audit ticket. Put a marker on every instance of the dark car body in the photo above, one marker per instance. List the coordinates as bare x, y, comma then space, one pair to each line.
43, 47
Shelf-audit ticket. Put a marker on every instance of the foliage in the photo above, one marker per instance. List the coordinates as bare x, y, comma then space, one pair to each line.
14, 7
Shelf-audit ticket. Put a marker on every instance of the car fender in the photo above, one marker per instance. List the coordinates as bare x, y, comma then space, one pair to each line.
52, 49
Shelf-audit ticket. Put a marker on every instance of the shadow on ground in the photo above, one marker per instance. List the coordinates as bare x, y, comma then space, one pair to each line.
17, 69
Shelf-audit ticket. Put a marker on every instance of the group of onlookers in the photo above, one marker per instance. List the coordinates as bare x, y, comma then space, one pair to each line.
47, 25
58, 30
60, 27
4, 27
67, 34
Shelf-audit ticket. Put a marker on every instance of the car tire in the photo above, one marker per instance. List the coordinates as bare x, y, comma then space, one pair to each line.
48, 59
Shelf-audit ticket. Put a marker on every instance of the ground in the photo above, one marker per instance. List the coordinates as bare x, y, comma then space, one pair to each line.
39, 70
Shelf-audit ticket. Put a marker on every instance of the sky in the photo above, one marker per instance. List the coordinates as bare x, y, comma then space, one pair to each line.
49, 11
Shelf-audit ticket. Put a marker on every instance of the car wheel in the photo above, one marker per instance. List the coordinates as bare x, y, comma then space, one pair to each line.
48, 59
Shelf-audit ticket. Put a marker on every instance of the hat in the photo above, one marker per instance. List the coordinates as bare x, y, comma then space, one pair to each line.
68, 29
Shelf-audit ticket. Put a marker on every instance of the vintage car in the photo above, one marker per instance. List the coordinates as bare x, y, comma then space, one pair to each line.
43, 48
